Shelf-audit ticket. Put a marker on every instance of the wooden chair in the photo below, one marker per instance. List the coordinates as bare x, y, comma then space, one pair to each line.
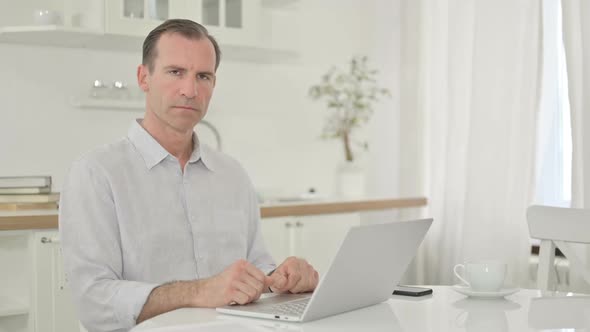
558, 228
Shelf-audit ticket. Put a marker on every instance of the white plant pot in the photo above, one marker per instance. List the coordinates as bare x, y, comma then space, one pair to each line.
350, 180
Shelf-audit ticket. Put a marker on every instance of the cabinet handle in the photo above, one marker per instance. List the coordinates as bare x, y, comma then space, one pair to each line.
298, 224
288, 224
49, 240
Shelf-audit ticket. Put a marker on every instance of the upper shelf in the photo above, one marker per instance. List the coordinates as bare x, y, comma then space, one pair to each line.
54, 35
112, 104
12, 307
60, 36
279, 4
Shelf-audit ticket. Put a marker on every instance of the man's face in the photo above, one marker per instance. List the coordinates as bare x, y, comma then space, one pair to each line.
181, 82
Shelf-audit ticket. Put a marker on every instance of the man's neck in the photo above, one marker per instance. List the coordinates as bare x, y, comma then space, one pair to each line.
178, 144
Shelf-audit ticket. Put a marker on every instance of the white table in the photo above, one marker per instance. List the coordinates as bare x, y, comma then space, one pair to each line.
445, 310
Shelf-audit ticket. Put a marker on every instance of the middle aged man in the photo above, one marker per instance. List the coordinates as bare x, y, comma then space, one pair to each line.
158, 221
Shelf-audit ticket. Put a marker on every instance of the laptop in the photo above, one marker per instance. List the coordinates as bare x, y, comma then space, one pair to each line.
368, 265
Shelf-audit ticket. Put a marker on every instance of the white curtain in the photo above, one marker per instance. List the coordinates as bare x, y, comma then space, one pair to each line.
576, 36
478, 91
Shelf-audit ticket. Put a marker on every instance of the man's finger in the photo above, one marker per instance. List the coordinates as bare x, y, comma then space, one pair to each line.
247, 290
299, 288
277, 281
255, 272
239, 297
254, 283
303, 283
293, 277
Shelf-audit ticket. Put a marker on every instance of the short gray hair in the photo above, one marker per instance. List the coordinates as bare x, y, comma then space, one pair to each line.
186, 28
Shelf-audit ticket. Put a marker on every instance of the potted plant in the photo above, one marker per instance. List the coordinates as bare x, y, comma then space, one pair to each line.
349, 96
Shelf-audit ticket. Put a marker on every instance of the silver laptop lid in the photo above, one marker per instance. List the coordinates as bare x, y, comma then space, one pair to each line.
367, 267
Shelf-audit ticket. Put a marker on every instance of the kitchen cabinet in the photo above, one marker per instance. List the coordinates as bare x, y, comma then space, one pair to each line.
235, 22
34, 296
277, 233
232, 22
122, 25
53, 310
314, 238
15, 290
139, 17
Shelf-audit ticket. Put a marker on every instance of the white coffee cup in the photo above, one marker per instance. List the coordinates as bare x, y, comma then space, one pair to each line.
482, 276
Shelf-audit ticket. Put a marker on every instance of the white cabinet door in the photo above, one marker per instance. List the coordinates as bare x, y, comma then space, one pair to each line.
53, 309
277, 233
314, 238
139, 17
231, 22
15, 269
319, 237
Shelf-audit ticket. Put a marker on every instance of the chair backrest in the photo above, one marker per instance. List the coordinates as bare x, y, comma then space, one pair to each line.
557, 227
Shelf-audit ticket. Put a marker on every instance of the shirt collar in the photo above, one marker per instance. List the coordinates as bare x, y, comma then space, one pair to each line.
203, 153
153, 153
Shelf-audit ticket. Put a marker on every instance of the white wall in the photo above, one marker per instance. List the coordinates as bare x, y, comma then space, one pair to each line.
263, 113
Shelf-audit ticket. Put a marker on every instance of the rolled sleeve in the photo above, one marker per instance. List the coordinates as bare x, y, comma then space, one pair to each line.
91, 248
130, 300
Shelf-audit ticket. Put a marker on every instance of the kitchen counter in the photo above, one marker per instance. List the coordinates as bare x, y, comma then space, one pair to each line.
47, 219
308, 208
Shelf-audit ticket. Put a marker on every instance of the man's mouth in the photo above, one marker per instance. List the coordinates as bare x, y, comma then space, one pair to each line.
186, 108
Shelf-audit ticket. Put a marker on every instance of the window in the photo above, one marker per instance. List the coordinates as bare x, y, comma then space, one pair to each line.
554, 136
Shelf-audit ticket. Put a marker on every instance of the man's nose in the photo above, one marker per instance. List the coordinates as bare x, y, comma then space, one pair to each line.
189, 87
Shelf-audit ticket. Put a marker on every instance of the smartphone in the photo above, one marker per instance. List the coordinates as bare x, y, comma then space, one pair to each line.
411, 291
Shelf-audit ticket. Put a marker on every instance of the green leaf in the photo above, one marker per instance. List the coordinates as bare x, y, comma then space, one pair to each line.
349, 95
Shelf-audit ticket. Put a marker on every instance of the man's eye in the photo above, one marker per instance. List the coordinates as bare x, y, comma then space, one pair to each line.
204, 77
175, 72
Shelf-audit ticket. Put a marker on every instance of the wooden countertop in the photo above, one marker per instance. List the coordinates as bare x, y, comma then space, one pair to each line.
47, 219
331, 207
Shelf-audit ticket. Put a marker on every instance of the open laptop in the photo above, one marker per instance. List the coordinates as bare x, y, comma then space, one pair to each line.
368, 265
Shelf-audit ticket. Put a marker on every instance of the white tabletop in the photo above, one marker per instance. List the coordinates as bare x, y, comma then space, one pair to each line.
445, 310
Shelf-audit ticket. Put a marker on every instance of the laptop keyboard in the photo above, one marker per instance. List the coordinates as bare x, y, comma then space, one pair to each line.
294, 308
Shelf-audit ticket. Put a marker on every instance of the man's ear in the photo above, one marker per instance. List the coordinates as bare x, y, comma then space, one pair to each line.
143, 77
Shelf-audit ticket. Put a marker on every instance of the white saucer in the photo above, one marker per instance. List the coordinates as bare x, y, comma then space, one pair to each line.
465, 290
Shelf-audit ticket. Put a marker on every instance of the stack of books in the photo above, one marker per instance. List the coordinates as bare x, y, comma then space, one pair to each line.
30, 192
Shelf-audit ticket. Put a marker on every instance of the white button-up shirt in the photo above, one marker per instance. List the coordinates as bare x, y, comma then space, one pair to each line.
130, 220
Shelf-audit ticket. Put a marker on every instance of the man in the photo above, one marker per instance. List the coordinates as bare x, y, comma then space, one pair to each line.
158, 221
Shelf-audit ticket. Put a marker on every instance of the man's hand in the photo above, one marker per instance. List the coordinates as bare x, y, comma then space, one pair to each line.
294, 275
241, 283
